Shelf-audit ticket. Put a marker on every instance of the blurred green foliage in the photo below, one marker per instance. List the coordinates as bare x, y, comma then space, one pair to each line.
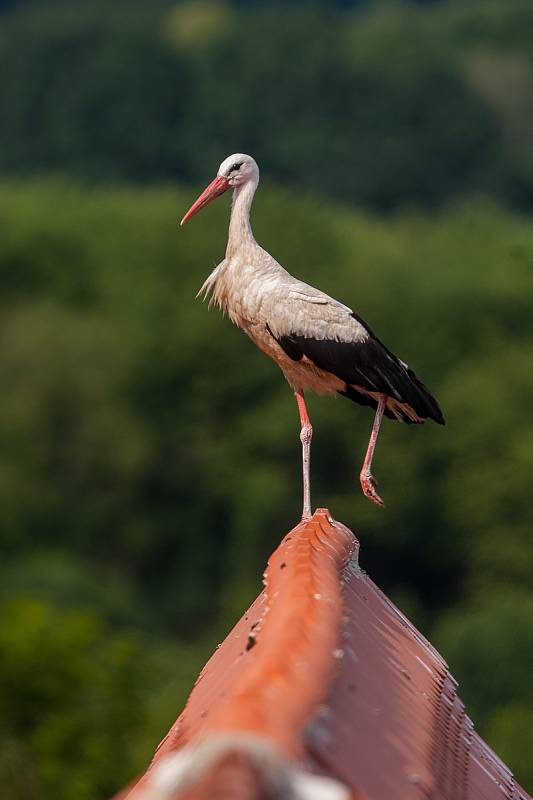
137, 455
69, 691
145, 475
75, 703
379, 103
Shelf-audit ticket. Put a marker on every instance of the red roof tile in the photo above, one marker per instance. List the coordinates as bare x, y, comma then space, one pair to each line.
324, 676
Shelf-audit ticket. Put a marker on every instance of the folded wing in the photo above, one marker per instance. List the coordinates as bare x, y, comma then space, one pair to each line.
338, 341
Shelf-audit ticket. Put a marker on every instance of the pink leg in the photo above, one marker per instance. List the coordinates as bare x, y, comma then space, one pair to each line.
306, 434
368, 483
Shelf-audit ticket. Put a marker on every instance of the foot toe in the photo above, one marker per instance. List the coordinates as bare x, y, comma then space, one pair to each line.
368, 485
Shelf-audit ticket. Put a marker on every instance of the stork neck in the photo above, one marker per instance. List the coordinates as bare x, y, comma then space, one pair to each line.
240, 231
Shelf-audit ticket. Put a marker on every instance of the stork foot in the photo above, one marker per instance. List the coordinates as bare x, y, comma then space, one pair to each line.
368, 485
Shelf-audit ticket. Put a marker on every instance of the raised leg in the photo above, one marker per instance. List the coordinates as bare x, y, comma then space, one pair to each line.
368, 483
306, 434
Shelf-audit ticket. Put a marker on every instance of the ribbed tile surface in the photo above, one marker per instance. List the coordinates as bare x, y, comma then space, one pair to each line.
327, 671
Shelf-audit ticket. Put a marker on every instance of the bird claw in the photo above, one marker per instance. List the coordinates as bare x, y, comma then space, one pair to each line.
368, 485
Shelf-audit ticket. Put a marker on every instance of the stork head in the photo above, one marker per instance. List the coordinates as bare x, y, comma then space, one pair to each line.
238, 169
234, 172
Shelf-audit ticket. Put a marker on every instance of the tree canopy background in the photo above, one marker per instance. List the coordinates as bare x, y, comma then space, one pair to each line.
145, 476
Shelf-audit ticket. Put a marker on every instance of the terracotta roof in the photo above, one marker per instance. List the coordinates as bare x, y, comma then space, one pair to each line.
324, 690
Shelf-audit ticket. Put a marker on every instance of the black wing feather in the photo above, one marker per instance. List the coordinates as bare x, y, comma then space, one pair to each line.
368, 364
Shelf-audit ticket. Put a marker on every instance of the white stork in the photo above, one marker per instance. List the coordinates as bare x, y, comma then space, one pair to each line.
320, 344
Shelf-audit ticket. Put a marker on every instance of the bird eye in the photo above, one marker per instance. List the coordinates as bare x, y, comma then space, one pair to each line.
236, 166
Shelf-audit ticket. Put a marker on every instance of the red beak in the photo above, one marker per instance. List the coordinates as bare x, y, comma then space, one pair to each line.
215, 189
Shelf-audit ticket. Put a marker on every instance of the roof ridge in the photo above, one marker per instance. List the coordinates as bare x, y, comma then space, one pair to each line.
321, 684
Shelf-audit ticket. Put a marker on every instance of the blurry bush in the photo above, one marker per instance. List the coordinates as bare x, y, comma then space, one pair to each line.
72, 694
81, 705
